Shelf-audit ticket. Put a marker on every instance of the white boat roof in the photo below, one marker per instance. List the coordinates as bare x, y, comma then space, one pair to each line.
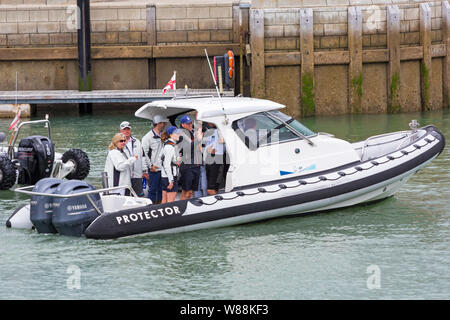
206, 107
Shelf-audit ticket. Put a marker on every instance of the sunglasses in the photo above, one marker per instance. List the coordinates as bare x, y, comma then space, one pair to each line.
122, 140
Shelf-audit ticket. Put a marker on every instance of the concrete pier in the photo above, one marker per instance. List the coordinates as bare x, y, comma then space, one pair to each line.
318, 57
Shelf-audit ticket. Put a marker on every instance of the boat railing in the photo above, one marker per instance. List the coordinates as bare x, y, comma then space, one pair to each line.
26, 190
17, 130
366, 142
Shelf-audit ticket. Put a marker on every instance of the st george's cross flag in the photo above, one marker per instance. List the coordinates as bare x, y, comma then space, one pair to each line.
172, 84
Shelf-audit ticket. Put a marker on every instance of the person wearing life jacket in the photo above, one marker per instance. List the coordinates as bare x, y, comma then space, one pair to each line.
170, 161
152, 147
139, 168
118, 164
229, 67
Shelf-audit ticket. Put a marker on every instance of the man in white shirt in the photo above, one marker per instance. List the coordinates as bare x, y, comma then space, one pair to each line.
133, 148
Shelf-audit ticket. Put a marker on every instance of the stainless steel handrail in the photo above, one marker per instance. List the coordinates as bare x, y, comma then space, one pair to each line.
16, 133
380, 136
34, 193
25, 190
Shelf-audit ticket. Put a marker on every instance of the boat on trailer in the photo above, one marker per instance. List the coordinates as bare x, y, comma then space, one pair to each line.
277, 168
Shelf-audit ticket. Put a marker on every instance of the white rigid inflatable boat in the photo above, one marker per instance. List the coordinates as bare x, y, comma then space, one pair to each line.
289, 170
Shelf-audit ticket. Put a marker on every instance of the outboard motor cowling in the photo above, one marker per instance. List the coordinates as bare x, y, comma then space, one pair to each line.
41, 207
36, 155
71, 216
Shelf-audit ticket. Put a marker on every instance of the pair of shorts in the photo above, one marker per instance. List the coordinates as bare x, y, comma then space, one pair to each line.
189, 178
165, 183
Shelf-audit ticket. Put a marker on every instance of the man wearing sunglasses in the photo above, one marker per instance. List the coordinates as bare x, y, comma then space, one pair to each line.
133, 148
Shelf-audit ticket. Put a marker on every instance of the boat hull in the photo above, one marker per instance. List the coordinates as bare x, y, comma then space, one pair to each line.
348, 185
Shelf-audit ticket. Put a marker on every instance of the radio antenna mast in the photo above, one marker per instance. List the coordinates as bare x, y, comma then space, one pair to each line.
212, 74
217, 89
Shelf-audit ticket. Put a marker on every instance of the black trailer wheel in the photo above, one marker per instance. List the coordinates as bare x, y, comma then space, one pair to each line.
7, 173
81, 161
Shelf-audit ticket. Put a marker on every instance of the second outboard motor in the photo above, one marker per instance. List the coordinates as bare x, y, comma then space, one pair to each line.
71, 216
36, 155
41, 207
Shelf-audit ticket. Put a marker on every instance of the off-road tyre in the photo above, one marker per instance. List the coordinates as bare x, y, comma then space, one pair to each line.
81, 161
7, 173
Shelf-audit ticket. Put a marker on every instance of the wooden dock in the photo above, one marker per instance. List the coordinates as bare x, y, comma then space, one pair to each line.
100, 96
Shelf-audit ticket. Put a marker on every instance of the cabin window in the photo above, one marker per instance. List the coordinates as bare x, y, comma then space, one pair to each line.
266, 128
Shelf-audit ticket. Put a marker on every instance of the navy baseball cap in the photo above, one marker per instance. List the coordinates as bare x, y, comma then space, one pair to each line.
185, 119
172, 129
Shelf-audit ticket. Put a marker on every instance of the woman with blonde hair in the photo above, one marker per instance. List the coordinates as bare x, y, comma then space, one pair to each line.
118, 164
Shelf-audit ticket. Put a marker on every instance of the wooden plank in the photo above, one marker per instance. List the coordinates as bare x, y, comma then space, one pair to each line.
446, 53
393, 43
287, 58
307, 62
331, 57
411, 53
282, 58
192, 50
355, 56
425, 42
258, 79
129, 52
293, 58
62, 53
151, 25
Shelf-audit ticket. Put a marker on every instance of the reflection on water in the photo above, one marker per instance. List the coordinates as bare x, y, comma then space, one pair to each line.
322, 256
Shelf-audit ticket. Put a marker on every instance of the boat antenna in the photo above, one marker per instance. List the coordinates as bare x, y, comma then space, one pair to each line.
212, 74
215, 84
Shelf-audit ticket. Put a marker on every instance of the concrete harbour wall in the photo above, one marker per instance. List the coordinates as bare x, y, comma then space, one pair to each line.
316, 56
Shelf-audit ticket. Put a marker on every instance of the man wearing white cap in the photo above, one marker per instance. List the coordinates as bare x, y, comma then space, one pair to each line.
133, 148
153, 147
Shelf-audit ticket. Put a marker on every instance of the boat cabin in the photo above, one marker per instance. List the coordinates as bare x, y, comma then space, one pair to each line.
262, 143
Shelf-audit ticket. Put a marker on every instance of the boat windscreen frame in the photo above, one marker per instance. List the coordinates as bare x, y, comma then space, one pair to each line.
291, 128
263, 141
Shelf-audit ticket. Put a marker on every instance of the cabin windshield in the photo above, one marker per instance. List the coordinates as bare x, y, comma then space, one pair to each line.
293, 123
267, 128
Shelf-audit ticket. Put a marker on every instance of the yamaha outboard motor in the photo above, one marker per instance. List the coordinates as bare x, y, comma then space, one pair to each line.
71, 216
41, 207
36, 155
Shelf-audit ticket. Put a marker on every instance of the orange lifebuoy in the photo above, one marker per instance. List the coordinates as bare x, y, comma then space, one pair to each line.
230, 63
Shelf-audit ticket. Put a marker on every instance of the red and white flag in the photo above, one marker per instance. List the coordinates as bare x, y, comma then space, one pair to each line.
16, 120
172, 84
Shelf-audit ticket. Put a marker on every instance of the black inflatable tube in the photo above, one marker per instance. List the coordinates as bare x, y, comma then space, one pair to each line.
107, 227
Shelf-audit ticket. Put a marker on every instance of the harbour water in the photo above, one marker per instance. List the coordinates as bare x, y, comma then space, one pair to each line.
394, 249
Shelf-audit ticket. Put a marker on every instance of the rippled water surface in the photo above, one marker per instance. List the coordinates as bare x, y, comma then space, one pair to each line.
404, 240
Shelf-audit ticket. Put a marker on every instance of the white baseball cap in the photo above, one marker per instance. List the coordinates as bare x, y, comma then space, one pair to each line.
158, 119
124, 125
